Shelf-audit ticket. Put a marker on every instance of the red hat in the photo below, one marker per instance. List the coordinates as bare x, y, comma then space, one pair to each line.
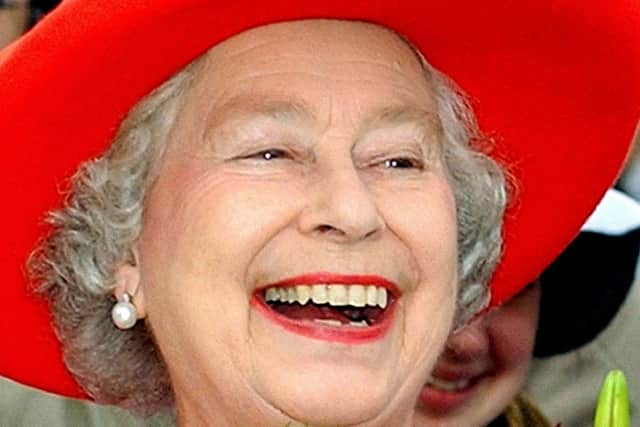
556, 83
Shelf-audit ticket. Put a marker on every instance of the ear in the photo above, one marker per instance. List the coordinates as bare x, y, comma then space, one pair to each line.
127, 279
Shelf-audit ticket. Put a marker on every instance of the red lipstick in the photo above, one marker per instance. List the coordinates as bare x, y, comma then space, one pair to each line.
312, 327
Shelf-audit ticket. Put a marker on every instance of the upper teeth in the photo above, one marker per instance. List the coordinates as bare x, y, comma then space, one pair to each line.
336, 295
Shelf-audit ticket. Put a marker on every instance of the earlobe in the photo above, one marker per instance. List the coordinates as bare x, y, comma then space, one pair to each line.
127, 286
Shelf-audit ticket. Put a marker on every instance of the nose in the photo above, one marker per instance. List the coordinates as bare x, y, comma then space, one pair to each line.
469, 344
341, 208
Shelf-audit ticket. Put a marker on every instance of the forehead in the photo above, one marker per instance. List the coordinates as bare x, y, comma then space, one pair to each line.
341, 39
313, 62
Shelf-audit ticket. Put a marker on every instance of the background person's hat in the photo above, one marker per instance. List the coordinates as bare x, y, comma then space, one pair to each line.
556, 83
587, 284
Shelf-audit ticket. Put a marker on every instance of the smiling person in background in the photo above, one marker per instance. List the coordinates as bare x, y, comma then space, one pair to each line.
485, 364
294, 208
483, 368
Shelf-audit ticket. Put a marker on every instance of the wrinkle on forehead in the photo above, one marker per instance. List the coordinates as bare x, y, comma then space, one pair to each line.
316, 46
320, 36
256, 74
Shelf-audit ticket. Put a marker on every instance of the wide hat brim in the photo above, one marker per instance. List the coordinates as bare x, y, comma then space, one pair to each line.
556, 83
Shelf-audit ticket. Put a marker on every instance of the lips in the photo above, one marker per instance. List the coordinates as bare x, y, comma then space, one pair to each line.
446, 391
334, 307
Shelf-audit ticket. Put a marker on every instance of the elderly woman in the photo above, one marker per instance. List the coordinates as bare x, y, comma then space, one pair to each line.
286, 230
355, 235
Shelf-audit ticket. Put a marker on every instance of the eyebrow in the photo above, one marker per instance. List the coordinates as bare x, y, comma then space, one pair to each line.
428, 121
248, 105
267, 106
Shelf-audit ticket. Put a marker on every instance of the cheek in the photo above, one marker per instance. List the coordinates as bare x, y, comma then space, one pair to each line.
425, 220
513, 348
513, 341
200, 223
201, 232
512, 330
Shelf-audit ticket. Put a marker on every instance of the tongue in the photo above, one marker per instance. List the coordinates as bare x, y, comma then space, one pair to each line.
310, 312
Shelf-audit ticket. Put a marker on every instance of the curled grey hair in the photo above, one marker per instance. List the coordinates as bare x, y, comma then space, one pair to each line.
480, 189
102, 217
90, 237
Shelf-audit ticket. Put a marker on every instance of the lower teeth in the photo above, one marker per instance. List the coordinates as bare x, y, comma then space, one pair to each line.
331, 322
360, 324
328, 322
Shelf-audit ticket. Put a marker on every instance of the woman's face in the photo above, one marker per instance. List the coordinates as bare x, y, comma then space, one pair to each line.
13, 20
483, 366
307, 154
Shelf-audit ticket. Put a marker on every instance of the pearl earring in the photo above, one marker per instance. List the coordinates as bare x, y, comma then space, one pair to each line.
124, 314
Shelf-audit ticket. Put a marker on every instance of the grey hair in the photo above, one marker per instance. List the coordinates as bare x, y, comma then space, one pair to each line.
480, 187
90, 237
102, 217
480, 190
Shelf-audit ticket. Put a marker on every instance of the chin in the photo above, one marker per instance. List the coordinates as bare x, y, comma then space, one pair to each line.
326, 375
326, 392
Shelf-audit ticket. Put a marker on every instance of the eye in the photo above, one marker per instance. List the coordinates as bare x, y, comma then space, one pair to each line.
269, 154
402, 163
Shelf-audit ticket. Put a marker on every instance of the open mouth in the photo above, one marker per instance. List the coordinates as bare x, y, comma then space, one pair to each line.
342, 312
451, 386
335, 305
443, 396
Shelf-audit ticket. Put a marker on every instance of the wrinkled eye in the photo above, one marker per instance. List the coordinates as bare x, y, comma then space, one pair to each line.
269, 154
402, 163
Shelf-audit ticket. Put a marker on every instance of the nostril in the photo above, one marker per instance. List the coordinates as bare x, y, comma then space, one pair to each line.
326, 228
